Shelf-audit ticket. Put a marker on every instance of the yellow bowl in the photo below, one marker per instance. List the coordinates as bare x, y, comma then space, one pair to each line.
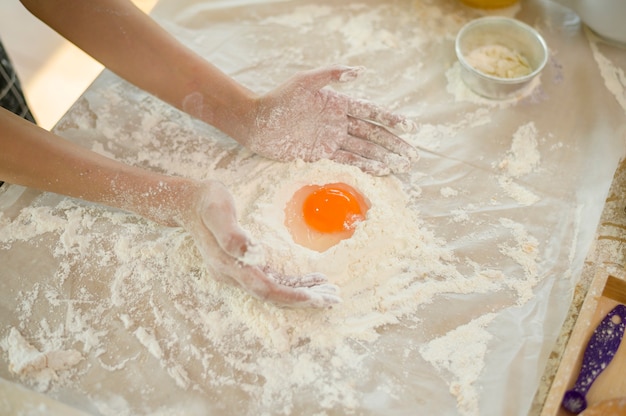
489, 4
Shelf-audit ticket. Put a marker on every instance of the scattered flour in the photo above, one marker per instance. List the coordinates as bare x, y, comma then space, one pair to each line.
522, 159
155, 282
516, 191
460, 215
614, 77
448, 192
525, 252
28, 362
464, 363
302, 18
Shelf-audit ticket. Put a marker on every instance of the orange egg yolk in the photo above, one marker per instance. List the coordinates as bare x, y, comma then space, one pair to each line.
320, 216
331, 209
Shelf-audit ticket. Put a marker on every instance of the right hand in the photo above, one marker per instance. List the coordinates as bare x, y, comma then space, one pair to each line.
302, 119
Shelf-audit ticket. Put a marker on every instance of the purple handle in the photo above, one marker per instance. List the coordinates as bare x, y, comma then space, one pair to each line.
600, 351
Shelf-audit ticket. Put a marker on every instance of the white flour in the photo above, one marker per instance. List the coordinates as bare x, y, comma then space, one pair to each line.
498, 61
613, 75
25, 359
523, 158
134, 295
156, 281
465, 363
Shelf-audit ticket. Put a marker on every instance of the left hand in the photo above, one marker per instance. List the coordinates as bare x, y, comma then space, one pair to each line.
303, 120
231, 255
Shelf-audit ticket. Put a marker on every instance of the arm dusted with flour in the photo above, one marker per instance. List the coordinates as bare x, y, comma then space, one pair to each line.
36, 158
299, 119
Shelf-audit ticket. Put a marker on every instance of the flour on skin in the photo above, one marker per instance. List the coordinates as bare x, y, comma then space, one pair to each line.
134, 295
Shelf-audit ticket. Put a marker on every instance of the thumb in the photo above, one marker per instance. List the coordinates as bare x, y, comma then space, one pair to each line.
217, 212
317, 79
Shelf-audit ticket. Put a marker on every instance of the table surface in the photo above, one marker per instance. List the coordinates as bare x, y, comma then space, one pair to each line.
511, 208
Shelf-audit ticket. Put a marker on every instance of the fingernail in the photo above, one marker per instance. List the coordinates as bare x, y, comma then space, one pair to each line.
351, 73
413, 155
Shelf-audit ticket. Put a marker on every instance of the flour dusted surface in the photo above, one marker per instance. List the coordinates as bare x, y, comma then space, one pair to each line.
208, 337
463, 242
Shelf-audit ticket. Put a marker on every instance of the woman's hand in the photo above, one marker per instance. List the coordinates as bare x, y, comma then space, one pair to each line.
229, 254
303, 120
34, 157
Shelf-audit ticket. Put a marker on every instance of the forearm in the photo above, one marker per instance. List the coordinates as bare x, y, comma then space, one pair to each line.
132, 45
36, 158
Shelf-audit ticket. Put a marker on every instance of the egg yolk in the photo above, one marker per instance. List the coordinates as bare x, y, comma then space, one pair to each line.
331, 209
320, 216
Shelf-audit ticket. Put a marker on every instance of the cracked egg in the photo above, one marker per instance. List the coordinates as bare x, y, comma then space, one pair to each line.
320, 216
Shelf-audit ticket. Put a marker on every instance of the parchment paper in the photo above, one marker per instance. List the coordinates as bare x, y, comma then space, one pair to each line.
573, 112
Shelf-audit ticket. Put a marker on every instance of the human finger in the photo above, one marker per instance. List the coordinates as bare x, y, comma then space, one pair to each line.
320, 296
217, 212
381, 136
307, 280
318, 78
265, 287
372, 151
367, 110
371, 166
310, 290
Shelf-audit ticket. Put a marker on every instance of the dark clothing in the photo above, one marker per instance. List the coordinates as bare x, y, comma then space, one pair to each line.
11, 95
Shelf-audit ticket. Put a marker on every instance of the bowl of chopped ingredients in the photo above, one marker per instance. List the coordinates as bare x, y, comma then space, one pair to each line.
499, 56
